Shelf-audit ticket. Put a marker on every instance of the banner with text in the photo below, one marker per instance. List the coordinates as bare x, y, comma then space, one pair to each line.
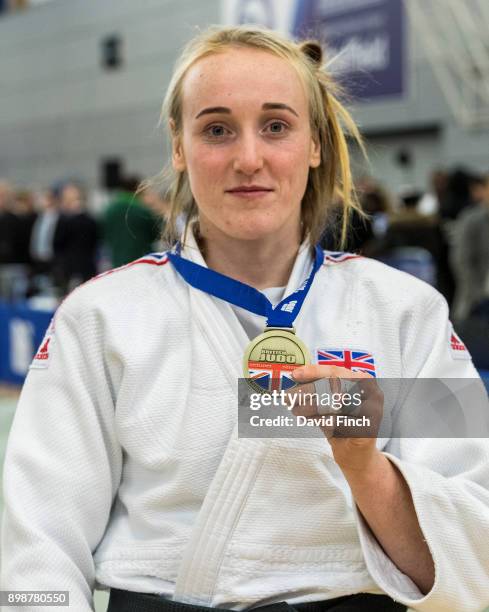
365, 38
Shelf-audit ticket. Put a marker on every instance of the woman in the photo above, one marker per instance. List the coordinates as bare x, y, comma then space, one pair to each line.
124, 467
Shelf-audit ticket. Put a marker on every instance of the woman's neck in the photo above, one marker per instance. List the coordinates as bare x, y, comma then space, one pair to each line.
259, 263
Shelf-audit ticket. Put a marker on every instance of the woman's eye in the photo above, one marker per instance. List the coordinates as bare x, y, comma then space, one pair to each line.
277, 127
216, 131
220, 131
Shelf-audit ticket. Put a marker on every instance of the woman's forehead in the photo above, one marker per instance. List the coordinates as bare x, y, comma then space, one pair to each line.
242, 77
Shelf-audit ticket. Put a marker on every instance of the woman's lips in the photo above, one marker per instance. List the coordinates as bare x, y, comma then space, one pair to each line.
249, 194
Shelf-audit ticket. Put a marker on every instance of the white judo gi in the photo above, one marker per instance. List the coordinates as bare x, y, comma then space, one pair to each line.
124, 469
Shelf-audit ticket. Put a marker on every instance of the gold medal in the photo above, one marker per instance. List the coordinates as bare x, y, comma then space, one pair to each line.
271, 357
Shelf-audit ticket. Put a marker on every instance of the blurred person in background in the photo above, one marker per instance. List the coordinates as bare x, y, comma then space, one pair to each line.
470, 249
456, 195
377, 204
131, 225
16, 220
364, 230
452, 200
43, 232
408, 227
430, 202
475, 330
42, 244
8, 223
26, 215
75, 240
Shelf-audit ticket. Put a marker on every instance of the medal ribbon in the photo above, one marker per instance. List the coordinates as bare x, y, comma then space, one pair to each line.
242, 295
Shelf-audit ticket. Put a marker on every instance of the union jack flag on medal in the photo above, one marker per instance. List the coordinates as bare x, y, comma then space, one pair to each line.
354, 360
273, 378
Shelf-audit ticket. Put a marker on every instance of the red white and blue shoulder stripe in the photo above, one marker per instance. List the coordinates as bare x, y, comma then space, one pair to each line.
155, 259
152, 259
338, 257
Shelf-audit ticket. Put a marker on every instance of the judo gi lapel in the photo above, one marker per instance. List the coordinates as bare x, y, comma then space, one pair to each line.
242, 459
217, 322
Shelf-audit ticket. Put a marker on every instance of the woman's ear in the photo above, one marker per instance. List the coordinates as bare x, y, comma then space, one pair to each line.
315, 156
178, 158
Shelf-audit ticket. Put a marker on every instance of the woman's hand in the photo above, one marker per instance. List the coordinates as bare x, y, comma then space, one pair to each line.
353, 445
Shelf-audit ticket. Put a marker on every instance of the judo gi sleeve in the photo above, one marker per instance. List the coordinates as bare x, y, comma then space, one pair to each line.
62, 466
449, 483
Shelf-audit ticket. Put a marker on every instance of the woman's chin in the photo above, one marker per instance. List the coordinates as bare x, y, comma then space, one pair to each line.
252, 231
258, 226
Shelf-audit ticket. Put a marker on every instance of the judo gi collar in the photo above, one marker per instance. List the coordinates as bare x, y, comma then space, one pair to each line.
239, 294
272, 356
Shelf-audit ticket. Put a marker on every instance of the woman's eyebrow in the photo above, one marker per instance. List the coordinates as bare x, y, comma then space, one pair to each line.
278, 106
265, 106
213, 109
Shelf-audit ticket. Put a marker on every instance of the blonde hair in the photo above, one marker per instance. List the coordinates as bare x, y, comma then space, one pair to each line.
327, 184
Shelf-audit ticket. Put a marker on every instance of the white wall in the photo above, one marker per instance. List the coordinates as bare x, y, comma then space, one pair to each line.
61, 111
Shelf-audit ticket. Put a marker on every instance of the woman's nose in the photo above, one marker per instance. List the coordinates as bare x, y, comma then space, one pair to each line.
248, 156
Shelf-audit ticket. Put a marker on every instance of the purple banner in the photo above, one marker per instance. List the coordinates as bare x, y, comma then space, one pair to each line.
366, 38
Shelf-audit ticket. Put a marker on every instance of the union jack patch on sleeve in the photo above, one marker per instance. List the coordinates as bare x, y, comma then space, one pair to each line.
354, 360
